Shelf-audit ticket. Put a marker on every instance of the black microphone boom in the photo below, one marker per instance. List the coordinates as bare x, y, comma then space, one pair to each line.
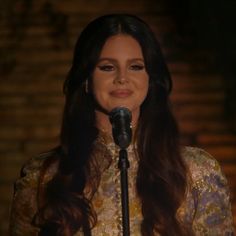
120, 118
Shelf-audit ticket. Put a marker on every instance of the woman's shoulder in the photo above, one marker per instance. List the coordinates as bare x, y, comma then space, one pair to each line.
202, 166
30, 171
199, 158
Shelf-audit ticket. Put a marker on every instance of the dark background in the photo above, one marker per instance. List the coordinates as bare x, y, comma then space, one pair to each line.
36, 45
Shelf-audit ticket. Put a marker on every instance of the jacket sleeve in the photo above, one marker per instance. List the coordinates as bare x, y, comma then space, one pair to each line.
24, 203
213, 216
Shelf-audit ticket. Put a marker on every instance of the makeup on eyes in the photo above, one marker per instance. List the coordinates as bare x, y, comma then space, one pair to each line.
110, 64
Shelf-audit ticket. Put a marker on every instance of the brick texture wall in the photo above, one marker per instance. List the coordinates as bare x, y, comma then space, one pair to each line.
36, 45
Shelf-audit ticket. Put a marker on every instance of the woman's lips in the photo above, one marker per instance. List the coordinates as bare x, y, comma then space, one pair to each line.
121, 93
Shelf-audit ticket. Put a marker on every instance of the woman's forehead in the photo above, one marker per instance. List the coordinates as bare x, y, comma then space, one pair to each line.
121, 45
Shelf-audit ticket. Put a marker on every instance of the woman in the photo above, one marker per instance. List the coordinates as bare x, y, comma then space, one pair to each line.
75, 189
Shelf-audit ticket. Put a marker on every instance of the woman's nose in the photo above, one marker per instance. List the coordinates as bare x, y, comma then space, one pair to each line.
121, 78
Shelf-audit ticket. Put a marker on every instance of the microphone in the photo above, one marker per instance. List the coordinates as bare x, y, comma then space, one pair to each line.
120, 118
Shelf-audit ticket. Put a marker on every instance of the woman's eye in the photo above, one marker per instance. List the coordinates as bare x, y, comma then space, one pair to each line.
106, 67
137, 67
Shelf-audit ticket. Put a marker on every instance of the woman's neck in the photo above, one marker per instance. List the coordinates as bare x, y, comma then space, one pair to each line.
103, 122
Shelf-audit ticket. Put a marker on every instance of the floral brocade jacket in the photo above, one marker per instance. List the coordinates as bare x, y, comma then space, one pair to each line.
206, 206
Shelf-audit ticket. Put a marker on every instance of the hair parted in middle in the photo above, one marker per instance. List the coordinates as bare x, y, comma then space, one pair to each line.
162, 174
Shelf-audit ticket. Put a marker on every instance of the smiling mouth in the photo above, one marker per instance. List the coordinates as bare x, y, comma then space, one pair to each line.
121, 93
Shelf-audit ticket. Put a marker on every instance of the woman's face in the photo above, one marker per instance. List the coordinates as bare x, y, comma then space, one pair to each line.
120, 77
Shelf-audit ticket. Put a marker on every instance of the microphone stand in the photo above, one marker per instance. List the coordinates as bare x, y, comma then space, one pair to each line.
120, 118
123, 165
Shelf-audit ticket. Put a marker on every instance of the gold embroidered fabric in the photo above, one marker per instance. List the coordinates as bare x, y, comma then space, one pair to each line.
206, 207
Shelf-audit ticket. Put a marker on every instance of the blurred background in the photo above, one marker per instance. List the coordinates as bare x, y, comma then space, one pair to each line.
36, 46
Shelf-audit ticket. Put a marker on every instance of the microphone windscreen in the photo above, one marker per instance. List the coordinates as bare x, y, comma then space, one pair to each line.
120, 118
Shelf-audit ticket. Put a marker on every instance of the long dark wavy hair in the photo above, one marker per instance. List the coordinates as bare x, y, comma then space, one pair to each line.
162, 175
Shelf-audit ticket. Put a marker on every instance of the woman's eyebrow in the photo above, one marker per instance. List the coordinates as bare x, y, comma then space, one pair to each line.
115, 60
107, 59
136, 59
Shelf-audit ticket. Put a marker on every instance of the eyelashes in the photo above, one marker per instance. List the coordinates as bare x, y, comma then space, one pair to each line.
106, 68
110, 67
137, 67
